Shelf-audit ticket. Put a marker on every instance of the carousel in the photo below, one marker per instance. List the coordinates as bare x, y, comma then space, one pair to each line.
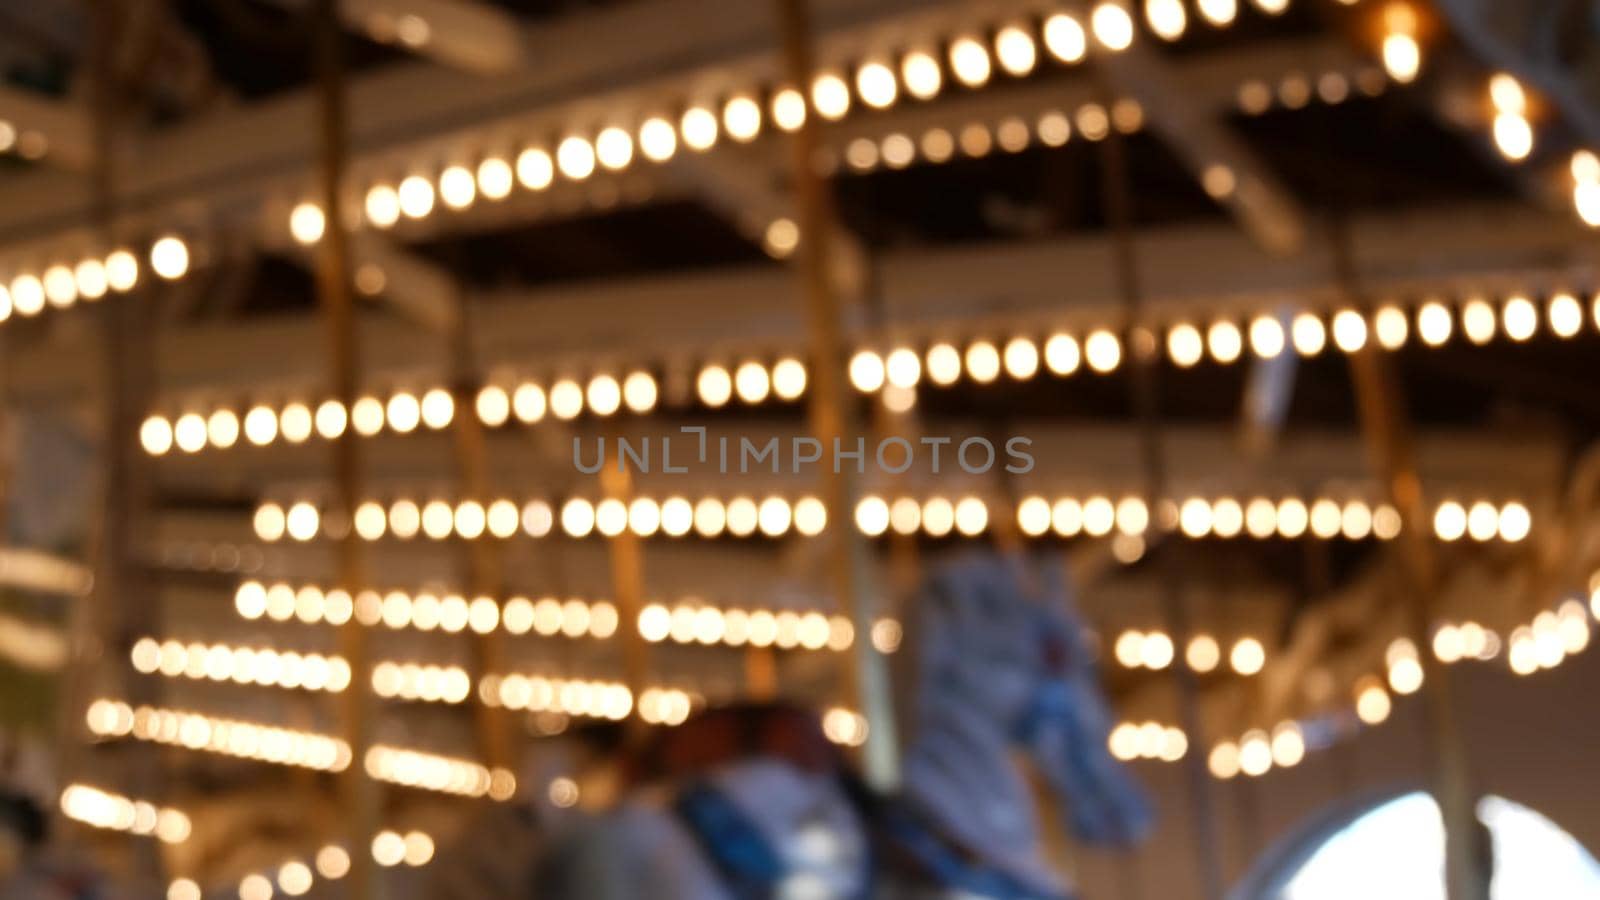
803, 449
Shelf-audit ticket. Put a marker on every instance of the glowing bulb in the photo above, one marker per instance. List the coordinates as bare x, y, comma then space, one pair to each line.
1266, 337
566, 399
122, 270
604, 395
1062, 354
1014, 48
970, 62
920, 72
1520, 318
658, 141
741, 116
416, 196
1565, 315
437, 408
1513, 136
1064, 37
382, 205
535, 169
1166, 18
457, 187
307, 223
1102, 350
169, 257
1349, 331
1478, 321
155, 435
639, 392
495, 178
866, 371
830, 96
983, 362
1391, 327
575, 157
1247, 656
613, 147
1450, 521
876, 86
1224, 341
699, 128
493, 405
1433, 323
788, 109
714, 385
1219, 13
1112, 26
1402, 57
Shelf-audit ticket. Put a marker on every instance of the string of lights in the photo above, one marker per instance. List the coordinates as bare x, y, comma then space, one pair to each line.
439, 773
687, 622
214, 734
262, 666
296, 877
114, 812
970, 516
895, 372
62, 285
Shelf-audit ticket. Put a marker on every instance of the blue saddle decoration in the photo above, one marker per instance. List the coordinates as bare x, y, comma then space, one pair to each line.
750, 867
944, 864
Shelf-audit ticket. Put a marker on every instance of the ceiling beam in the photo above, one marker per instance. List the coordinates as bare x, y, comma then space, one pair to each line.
681, 319
465, 34
1189, 123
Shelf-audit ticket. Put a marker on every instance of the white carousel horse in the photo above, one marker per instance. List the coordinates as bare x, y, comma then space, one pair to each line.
996, 666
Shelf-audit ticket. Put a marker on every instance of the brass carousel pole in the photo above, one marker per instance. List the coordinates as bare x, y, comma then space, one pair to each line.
103, 622
833, 415
1392, 453
485, 559
625, 553
1143, 368
358, 795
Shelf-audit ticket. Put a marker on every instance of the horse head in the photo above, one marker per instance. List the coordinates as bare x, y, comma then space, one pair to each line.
996, 662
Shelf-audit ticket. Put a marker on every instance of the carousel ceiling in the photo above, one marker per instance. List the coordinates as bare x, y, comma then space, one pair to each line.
598, 196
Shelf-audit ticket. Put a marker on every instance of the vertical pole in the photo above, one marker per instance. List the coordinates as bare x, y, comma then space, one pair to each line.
1392, 453
833, 415
102, 623
485, 562
627, 580
358, 794
1143, 361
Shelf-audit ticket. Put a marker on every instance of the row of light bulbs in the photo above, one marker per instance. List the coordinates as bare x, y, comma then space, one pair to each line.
875, 84
228, 737
425, 682
114, 812
688, 623
263, 666
439, 773
773, 516
296, 877
845, 727
579, 517
62, 284
586, 697
1550, 638
894, 372
1545, 643
683, 623
1258, 752
426, 611
1148, 740
1154, 650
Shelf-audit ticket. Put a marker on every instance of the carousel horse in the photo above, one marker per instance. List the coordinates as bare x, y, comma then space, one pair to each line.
753, 802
